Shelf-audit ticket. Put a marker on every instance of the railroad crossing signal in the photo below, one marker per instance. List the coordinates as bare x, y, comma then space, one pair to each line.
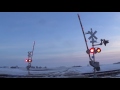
29, 59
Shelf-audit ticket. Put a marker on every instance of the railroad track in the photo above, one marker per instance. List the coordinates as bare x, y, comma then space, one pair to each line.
21, 76
103, 73
99, 74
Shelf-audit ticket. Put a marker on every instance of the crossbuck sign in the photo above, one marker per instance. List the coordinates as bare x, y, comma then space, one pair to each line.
92, 36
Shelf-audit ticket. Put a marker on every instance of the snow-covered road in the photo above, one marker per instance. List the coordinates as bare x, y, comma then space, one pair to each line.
59, 72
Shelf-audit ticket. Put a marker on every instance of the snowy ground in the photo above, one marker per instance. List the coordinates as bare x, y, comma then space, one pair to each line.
59, 72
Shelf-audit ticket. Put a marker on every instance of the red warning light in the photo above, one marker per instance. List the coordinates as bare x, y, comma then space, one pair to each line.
28, 60
92, 50
98, 50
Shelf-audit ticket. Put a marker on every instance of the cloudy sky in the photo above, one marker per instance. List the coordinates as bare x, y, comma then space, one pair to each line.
58, 37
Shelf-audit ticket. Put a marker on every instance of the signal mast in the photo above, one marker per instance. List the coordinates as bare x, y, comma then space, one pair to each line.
92, 50
29, 59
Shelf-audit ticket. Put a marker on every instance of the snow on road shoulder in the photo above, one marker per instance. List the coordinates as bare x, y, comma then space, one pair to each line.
109, 67
12, 71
